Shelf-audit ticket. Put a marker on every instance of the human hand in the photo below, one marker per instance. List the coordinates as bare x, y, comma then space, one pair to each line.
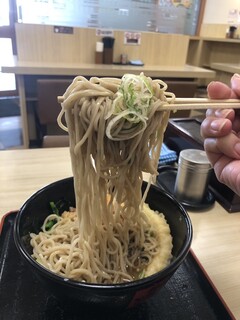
221, 133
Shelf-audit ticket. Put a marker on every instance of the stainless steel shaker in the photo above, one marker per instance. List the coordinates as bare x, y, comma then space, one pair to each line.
192, 176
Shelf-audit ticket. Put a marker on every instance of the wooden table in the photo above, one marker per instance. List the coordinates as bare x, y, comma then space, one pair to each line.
23, 69
216, 238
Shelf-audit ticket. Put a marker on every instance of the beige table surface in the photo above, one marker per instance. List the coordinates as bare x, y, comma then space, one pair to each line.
216, 239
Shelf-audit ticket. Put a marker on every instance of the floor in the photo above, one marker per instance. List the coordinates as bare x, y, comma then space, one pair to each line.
10, 132
10, 123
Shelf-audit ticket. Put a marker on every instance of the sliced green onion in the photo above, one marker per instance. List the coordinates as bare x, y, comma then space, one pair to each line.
141, 274
54, 208
50, 224
135, 95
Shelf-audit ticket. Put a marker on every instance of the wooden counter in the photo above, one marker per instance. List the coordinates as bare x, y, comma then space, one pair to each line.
103, 70
225, 70
215, 52
216, 235
226, 67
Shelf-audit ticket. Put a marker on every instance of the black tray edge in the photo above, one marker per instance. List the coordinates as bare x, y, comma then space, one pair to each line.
5, 217
191, 252
207, 277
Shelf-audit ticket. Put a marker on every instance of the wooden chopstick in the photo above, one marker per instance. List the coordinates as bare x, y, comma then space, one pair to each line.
194, 104
201, 104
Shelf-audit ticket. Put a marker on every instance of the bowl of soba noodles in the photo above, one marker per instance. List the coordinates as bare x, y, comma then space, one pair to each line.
121, 295
105, 237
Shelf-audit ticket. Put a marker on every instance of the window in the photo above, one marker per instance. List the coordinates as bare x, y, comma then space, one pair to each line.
7, 46
7, 80
4, 13
168, 16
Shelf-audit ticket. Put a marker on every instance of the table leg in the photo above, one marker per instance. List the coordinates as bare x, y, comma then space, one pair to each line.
23, 110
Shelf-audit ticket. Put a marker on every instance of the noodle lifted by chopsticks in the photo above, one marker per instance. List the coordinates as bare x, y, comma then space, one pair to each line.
115, 130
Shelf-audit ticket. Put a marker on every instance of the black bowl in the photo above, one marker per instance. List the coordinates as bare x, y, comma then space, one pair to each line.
119, 296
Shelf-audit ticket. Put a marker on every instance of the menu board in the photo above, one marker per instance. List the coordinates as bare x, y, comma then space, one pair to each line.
168, 16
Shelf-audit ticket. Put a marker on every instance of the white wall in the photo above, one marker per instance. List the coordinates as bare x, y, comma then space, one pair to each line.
217, 11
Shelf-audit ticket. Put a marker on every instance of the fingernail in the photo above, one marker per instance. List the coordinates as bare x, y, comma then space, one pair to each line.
236, 75
211, 83
237, 147
235, 79
235, 82
223, 113
218, 124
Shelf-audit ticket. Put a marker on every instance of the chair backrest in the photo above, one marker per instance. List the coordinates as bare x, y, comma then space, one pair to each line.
182, 89
55, 141
48, 90
48, 108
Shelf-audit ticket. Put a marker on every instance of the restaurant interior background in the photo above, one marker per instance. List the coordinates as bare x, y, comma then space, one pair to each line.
26, 34
187, 59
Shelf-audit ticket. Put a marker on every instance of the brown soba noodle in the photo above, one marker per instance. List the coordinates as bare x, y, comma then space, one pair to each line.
116, 129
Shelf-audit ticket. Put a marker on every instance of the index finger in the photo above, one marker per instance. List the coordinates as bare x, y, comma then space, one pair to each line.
235, 85
215, 127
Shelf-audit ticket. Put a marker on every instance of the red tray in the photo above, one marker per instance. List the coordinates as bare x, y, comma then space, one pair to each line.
189, 294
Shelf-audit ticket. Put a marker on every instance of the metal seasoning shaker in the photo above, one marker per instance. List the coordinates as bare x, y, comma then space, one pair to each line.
192, 176
124, 58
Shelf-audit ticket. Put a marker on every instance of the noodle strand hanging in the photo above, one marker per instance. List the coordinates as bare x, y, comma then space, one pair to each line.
115, 129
